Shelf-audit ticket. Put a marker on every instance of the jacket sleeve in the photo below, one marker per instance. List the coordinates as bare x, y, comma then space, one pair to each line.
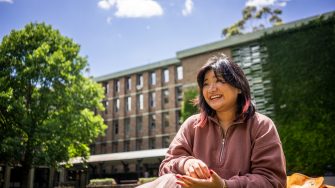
179, 150
268, 166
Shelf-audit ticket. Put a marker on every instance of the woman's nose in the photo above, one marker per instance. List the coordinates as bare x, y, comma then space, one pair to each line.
212, 87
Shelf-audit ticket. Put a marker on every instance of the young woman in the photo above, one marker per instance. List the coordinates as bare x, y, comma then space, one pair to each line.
227, 144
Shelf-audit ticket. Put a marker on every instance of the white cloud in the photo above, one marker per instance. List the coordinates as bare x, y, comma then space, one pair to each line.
264, 3
7, 1
142, 8
188, 7
106, 4
138, 8
283, 3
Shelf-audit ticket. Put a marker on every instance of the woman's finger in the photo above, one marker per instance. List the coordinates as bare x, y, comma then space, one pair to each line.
205, 170
216, 178
198, 171
194, 181
183, 182
192, 172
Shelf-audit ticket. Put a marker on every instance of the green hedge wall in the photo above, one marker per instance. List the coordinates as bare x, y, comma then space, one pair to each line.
302, 67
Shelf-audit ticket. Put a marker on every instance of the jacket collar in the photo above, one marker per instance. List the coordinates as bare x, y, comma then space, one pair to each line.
214, 119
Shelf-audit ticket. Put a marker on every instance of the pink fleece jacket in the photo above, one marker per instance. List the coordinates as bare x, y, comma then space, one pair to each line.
250, 155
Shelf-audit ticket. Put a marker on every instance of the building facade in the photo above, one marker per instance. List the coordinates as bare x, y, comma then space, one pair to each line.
143, 104
142, 112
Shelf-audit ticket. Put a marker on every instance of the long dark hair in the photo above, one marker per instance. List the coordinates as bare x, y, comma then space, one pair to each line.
232, 74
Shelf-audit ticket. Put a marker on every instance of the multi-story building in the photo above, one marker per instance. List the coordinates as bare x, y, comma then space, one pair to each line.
142, 112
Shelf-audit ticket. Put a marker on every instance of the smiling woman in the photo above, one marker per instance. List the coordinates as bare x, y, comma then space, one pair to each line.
227, 144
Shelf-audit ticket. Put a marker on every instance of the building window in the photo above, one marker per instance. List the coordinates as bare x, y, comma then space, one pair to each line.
117, 86
105, 103
152, 121
165, 96
139, 126
152, 99
179, 95
128, 83
92, 148
179, 72
114, 147
138, 144
106, 86
153, 78
166, 75
116, 105
139, 81
140, 101
166, 119
152, 143
103, 148
127, 127
165, 141
152, 124
128, 104
115, 129
126, 146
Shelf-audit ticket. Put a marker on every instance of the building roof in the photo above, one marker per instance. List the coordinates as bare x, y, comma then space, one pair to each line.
247, 37
123, 156
138, 69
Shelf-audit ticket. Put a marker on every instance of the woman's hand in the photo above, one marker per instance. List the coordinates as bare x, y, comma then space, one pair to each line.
196, 169
214, 181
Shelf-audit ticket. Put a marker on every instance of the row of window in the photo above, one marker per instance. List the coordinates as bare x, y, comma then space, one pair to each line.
127, 145
139, 125
140, 100
249, 57
139, 80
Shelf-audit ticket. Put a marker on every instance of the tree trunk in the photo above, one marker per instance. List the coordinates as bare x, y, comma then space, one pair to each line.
28, 177
51, 177
7, 176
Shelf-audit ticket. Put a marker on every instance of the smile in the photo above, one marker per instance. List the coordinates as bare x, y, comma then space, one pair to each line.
215, 97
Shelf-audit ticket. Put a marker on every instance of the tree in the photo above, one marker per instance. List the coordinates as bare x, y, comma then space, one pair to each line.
261, 17
187, 107
46, 102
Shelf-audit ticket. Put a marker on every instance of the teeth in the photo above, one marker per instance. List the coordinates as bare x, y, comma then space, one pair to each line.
215, 96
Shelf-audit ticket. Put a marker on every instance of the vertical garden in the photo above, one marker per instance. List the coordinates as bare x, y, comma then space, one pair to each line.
302, 71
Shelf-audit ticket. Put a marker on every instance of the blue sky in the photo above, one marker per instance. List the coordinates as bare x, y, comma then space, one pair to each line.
121, 34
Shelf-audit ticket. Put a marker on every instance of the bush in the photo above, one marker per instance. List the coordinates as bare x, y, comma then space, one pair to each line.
146, 180
105, 181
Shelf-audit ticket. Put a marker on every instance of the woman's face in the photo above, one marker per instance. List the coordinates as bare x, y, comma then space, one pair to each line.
219, 95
